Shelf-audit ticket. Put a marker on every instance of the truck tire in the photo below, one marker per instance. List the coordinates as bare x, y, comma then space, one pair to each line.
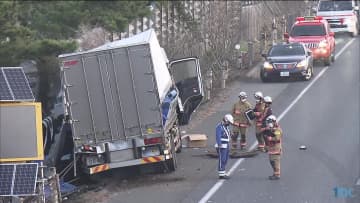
179, 142
327, 61
172, 163
355, 33
178, 150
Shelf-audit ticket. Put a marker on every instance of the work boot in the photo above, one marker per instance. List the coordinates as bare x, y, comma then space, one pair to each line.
273, 177
226, 177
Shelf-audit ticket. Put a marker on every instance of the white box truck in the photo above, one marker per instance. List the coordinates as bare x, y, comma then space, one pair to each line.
343, 16
124, 102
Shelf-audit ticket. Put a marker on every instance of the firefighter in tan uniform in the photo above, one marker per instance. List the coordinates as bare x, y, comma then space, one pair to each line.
266, 113
259, 111
241, 123
273, 134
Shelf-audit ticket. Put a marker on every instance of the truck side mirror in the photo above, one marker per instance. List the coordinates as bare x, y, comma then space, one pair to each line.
264, 55
331, 34
314, 9
356, 8
286, 35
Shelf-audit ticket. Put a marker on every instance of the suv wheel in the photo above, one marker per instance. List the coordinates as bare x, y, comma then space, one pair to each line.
309, 74
263, 78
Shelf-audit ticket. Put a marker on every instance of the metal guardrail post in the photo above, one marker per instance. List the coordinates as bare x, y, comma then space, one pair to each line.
250, 53
209, 83
224, 74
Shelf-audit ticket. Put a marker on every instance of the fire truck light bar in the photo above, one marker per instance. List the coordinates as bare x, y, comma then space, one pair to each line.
309, 18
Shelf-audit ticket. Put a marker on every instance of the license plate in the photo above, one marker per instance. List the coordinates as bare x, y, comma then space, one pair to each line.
284, 74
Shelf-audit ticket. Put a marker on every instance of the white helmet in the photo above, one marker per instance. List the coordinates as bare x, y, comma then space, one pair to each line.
267, 99
229, 118
271, 118
270, 121
242, 94
258, 95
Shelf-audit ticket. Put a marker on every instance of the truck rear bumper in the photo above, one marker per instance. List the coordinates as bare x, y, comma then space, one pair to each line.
348, 28
145, 160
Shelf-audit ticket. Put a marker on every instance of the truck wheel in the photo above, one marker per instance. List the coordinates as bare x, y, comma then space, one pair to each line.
327, 61
172, 163
355, 33
178, 150
333, 56
178, 145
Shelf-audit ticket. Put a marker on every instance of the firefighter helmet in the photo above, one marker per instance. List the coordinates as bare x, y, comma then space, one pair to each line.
271, 118
242, 95
258, 95
268, 99
229, 118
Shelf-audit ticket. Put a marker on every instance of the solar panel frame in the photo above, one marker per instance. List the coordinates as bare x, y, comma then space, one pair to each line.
23, 179
18, 83
5, 92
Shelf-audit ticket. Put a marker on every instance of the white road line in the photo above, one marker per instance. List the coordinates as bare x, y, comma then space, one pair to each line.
358, 182
302, 93
344, 48
219, 183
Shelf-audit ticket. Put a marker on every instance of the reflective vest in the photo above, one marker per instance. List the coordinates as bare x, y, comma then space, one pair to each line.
222, 136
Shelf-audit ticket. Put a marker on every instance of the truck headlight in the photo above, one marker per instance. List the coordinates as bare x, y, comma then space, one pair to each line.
347, 21
323, 44
267, 66
302, 64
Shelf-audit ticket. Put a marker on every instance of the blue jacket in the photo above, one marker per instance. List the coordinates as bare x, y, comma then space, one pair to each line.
222, 136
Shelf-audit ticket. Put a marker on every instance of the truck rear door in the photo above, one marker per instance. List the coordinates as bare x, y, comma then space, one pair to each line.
187, 77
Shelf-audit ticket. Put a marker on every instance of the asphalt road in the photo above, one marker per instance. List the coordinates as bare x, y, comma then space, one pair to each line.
322, 114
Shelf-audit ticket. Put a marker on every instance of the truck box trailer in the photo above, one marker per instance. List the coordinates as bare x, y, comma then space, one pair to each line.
125, 101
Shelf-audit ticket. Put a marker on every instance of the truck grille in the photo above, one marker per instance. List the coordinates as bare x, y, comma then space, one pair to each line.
312, 45
336, 23
333, 21
284, 65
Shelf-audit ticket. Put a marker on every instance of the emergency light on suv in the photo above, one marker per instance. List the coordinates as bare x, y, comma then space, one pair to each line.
314, 32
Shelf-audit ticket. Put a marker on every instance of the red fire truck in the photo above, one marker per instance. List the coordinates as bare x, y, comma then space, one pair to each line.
315, 33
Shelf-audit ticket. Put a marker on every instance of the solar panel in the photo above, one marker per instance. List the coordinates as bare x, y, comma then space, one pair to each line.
25, 179
18, 179
6, 177
5, 94
18, 83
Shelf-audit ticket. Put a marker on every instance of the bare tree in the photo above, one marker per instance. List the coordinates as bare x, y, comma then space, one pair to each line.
91, 38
